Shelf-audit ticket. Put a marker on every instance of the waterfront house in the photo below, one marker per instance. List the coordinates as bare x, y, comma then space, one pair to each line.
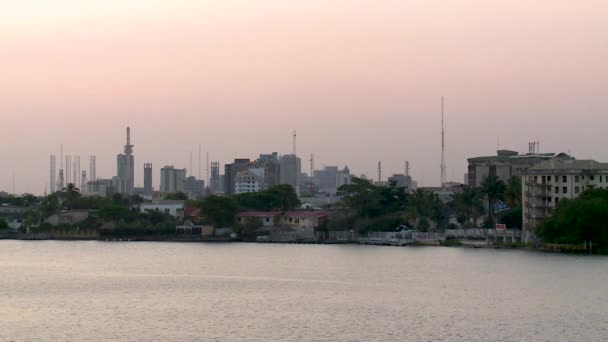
171, 207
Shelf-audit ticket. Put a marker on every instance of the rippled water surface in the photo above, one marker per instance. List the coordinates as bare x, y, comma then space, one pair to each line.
249, 292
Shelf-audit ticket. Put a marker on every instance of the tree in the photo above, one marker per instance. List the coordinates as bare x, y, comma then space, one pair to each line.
494, 190
3, 224
513, 192
423, 205
579, 220
70, 195
220, 211
50, 204
176, 196
468, 205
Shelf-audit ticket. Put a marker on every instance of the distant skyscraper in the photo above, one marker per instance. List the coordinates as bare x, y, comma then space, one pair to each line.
60, 181
83, 182
148, 179
214, 180
195, 188
230, 171
289, 169
68, 170
76, 171
92, 167
172, 179
53, 180
125, 168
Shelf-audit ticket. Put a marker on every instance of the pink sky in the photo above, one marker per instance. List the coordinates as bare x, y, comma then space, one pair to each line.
360, 80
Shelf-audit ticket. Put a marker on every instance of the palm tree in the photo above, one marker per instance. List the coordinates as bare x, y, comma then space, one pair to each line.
70, 195
494, 190
422, 206
513, 192
468, 204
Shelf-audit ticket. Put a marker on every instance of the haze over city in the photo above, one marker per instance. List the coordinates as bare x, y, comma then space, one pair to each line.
360, 81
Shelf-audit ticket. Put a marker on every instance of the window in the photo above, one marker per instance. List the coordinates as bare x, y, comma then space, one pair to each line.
535, 178
291, 219
268, 219
548, 178
577, 190
297, 220
556, 200
557, 189
564, 179
591, 177
576, 179
564, 190
549, 199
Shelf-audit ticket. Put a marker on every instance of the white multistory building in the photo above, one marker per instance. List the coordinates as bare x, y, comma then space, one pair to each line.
248, 181
554, 180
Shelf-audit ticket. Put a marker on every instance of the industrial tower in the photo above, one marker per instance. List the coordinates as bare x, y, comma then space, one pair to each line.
443, 166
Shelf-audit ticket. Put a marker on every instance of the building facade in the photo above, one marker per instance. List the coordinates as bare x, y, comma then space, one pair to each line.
230, 171
290, 167
172, 179
551, 181
505, 165
125, 168
247, 181
148, 189
195, 188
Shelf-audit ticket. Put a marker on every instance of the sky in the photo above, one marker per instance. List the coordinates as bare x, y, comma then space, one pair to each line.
360, 80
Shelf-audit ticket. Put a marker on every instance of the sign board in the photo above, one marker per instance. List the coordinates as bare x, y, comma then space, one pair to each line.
501, 226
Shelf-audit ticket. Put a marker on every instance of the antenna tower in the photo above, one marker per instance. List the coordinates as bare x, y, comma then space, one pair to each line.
407, 168
443, 166
379, 171
312, 165
294, 142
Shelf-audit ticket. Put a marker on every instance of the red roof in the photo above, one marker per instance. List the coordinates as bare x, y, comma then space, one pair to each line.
307, 214
192, 211
259, 214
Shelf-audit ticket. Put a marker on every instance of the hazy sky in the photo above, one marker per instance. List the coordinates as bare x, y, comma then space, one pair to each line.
360, 80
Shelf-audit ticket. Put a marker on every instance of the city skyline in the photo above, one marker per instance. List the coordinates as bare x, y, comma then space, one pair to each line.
359, 81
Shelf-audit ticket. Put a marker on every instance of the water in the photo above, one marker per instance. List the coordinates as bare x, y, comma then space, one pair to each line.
96, 291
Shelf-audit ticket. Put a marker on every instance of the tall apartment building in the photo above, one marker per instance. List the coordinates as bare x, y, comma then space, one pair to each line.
330, 178
505, 164
551, 181
230, 171
247, 181
195, 188
125, 168
148, 190
215, 183
172, 179
290, 168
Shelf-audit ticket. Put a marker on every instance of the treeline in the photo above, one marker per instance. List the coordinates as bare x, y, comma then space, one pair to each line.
578, 221
367, 207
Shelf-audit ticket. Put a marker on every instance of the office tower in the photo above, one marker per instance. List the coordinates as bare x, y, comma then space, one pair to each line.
172, 179
92, 166
68, 170
214, 180
53, 180
125, 168
83, 182
290, 167
230, 171
76, 171
195, 188
148, 180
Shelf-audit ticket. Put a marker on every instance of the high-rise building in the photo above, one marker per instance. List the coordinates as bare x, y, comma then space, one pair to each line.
92, 167
60, 181
214, 180
68, 170
148, 191
504, 165
230, 171
326, 180
125, 168
172, 179
195, 188
76, 171
83, 182
247, 181
270, 164
53, 178
290, 167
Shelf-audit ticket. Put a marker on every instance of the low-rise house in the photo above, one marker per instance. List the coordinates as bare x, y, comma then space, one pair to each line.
171, 207
266, 218
302, 219
69, 217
